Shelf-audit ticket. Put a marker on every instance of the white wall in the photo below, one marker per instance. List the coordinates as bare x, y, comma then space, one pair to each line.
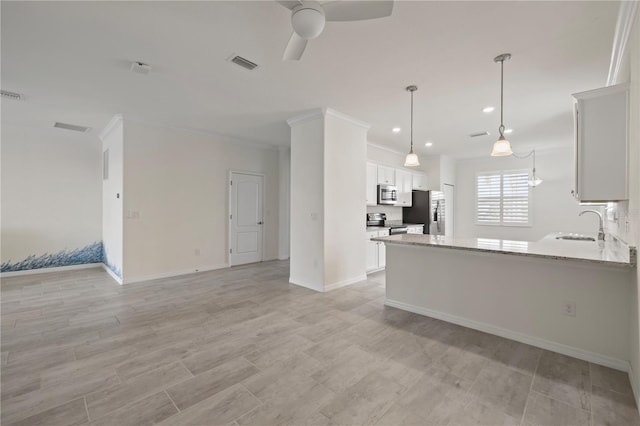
307, 204
112, 197
553, 207
177, 181
344, 201
51, 180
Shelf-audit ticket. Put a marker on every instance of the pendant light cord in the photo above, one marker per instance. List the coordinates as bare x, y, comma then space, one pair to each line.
411, 121
501, 97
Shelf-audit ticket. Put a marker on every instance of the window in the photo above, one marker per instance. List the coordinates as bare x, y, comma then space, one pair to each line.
502, 198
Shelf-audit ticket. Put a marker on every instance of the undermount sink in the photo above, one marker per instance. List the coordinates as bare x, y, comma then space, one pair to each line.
575, 237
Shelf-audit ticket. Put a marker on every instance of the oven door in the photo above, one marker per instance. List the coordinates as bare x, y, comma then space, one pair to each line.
387, 194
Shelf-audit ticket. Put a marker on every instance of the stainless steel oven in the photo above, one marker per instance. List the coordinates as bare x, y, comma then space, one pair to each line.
387, 194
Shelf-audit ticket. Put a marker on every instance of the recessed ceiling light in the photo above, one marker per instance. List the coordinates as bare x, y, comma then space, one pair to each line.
508, 131
428, 144
396, 130
488, 109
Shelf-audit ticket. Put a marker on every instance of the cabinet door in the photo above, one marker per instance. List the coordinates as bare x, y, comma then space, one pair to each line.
382, 256
419, 181
372, 184
404, 180
386, 175
372, 252
601, 144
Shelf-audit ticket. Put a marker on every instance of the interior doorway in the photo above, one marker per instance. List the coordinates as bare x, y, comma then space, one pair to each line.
246, 220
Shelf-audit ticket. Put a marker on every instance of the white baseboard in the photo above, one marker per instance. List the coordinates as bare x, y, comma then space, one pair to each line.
607, 361
375, 270
302, 283
112, 274
174, 273
634, 385
333, 286
48, 270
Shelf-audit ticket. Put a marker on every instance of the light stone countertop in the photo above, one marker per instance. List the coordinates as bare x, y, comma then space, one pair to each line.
612, 253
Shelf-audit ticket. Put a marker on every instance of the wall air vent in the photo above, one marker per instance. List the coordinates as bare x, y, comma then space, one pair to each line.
243, 62
476, 135
140, 67
12, 96
71, 127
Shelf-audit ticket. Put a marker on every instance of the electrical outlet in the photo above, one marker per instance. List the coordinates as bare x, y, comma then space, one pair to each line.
196, 252
569, 308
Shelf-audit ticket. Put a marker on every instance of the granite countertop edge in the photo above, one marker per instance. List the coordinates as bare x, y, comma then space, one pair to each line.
427, 242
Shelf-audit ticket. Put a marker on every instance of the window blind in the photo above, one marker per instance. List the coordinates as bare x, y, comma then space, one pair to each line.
502, 198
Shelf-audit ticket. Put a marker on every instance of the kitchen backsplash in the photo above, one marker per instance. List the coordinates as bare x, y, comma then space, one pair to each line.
622, 222
393, 213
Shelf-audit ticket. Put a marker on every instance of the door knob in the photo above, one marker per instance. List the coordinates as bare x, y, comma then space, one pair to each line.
259, 223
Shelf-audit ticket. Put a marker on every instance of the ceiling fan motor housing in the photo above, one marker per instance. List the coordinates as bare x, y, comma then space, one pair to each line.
308, 19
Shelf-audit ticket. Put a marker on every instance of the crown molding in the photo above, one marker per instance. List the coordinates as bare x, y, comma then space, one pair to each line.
221, 136
306, 117
384, 148
626, 16
345, 117
115, 120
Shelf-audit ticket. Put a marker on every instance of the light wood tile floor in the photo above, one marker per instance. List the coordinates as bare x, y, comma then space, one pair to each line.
241, 346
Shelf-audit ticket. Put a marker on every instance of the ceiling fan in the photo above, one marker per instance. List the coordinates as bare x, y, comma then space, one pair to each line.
308, 18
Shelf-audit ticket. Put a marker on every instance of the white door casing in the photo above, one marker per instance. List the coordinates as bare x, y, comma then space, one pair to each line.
246, 220
449, 203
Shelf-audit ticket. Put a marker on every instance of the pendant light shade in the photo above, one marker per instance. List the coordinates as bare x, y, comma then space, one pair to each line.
412, 158
502, 147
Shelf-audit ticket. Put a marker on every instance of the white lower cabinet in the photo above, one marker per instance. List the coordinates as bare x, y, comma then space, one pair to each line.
376, 251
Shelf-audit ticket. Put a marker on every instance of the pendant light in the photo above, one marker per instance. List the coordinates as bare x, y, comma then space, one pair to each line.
502, 147
412, 157
534, 181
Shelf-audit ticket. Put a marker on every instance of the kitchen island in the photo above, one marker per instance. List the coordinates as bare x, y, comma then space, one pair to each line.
571, 297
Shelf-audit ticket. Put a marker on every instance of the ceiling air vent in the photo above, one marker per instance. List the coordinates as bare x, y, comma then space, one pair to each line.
476, 135
12, 96
244, 63
72, 127
140, 67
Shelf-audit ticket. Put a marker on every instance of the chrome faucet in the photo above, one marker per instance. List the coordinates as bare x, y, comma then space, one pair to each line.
600, 222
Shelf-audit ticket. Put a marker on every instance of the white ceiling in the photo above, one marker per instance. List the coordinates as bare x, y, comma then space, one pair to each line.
71, 60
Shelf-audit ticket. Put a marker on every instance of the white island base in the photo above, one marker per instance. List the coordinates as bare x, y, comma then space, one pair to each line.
518, 297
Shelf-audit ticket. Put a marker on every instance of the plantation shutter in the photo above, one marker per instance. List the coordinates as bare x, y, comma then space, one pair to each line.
489, 200
515, 198
502, 198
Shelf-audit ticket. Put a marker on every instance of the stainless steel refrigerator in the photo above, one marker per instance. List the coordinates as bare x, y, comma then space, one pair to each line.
427, 207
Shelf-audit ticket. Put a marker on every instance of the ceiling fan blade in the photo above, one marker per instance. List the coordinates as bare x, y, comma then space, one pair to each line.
295, 48
289, 4
357, 10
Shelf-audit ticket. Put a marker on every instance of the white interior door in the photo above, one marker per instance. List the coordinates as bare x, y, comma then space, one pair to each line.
245, 218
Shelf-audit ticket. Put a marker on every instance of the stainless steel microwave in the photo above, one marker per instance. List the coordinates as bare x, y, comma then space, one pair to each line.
387, 194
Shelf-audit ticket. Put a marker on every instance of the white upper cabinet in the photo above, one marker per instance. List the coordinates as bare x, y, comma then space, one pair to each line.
372, 184
386, 175
404, 179
601, 144
419, 181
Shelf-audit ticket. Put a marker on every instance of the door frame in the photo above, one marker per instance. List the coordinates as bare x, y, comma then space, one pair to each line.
264, 222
